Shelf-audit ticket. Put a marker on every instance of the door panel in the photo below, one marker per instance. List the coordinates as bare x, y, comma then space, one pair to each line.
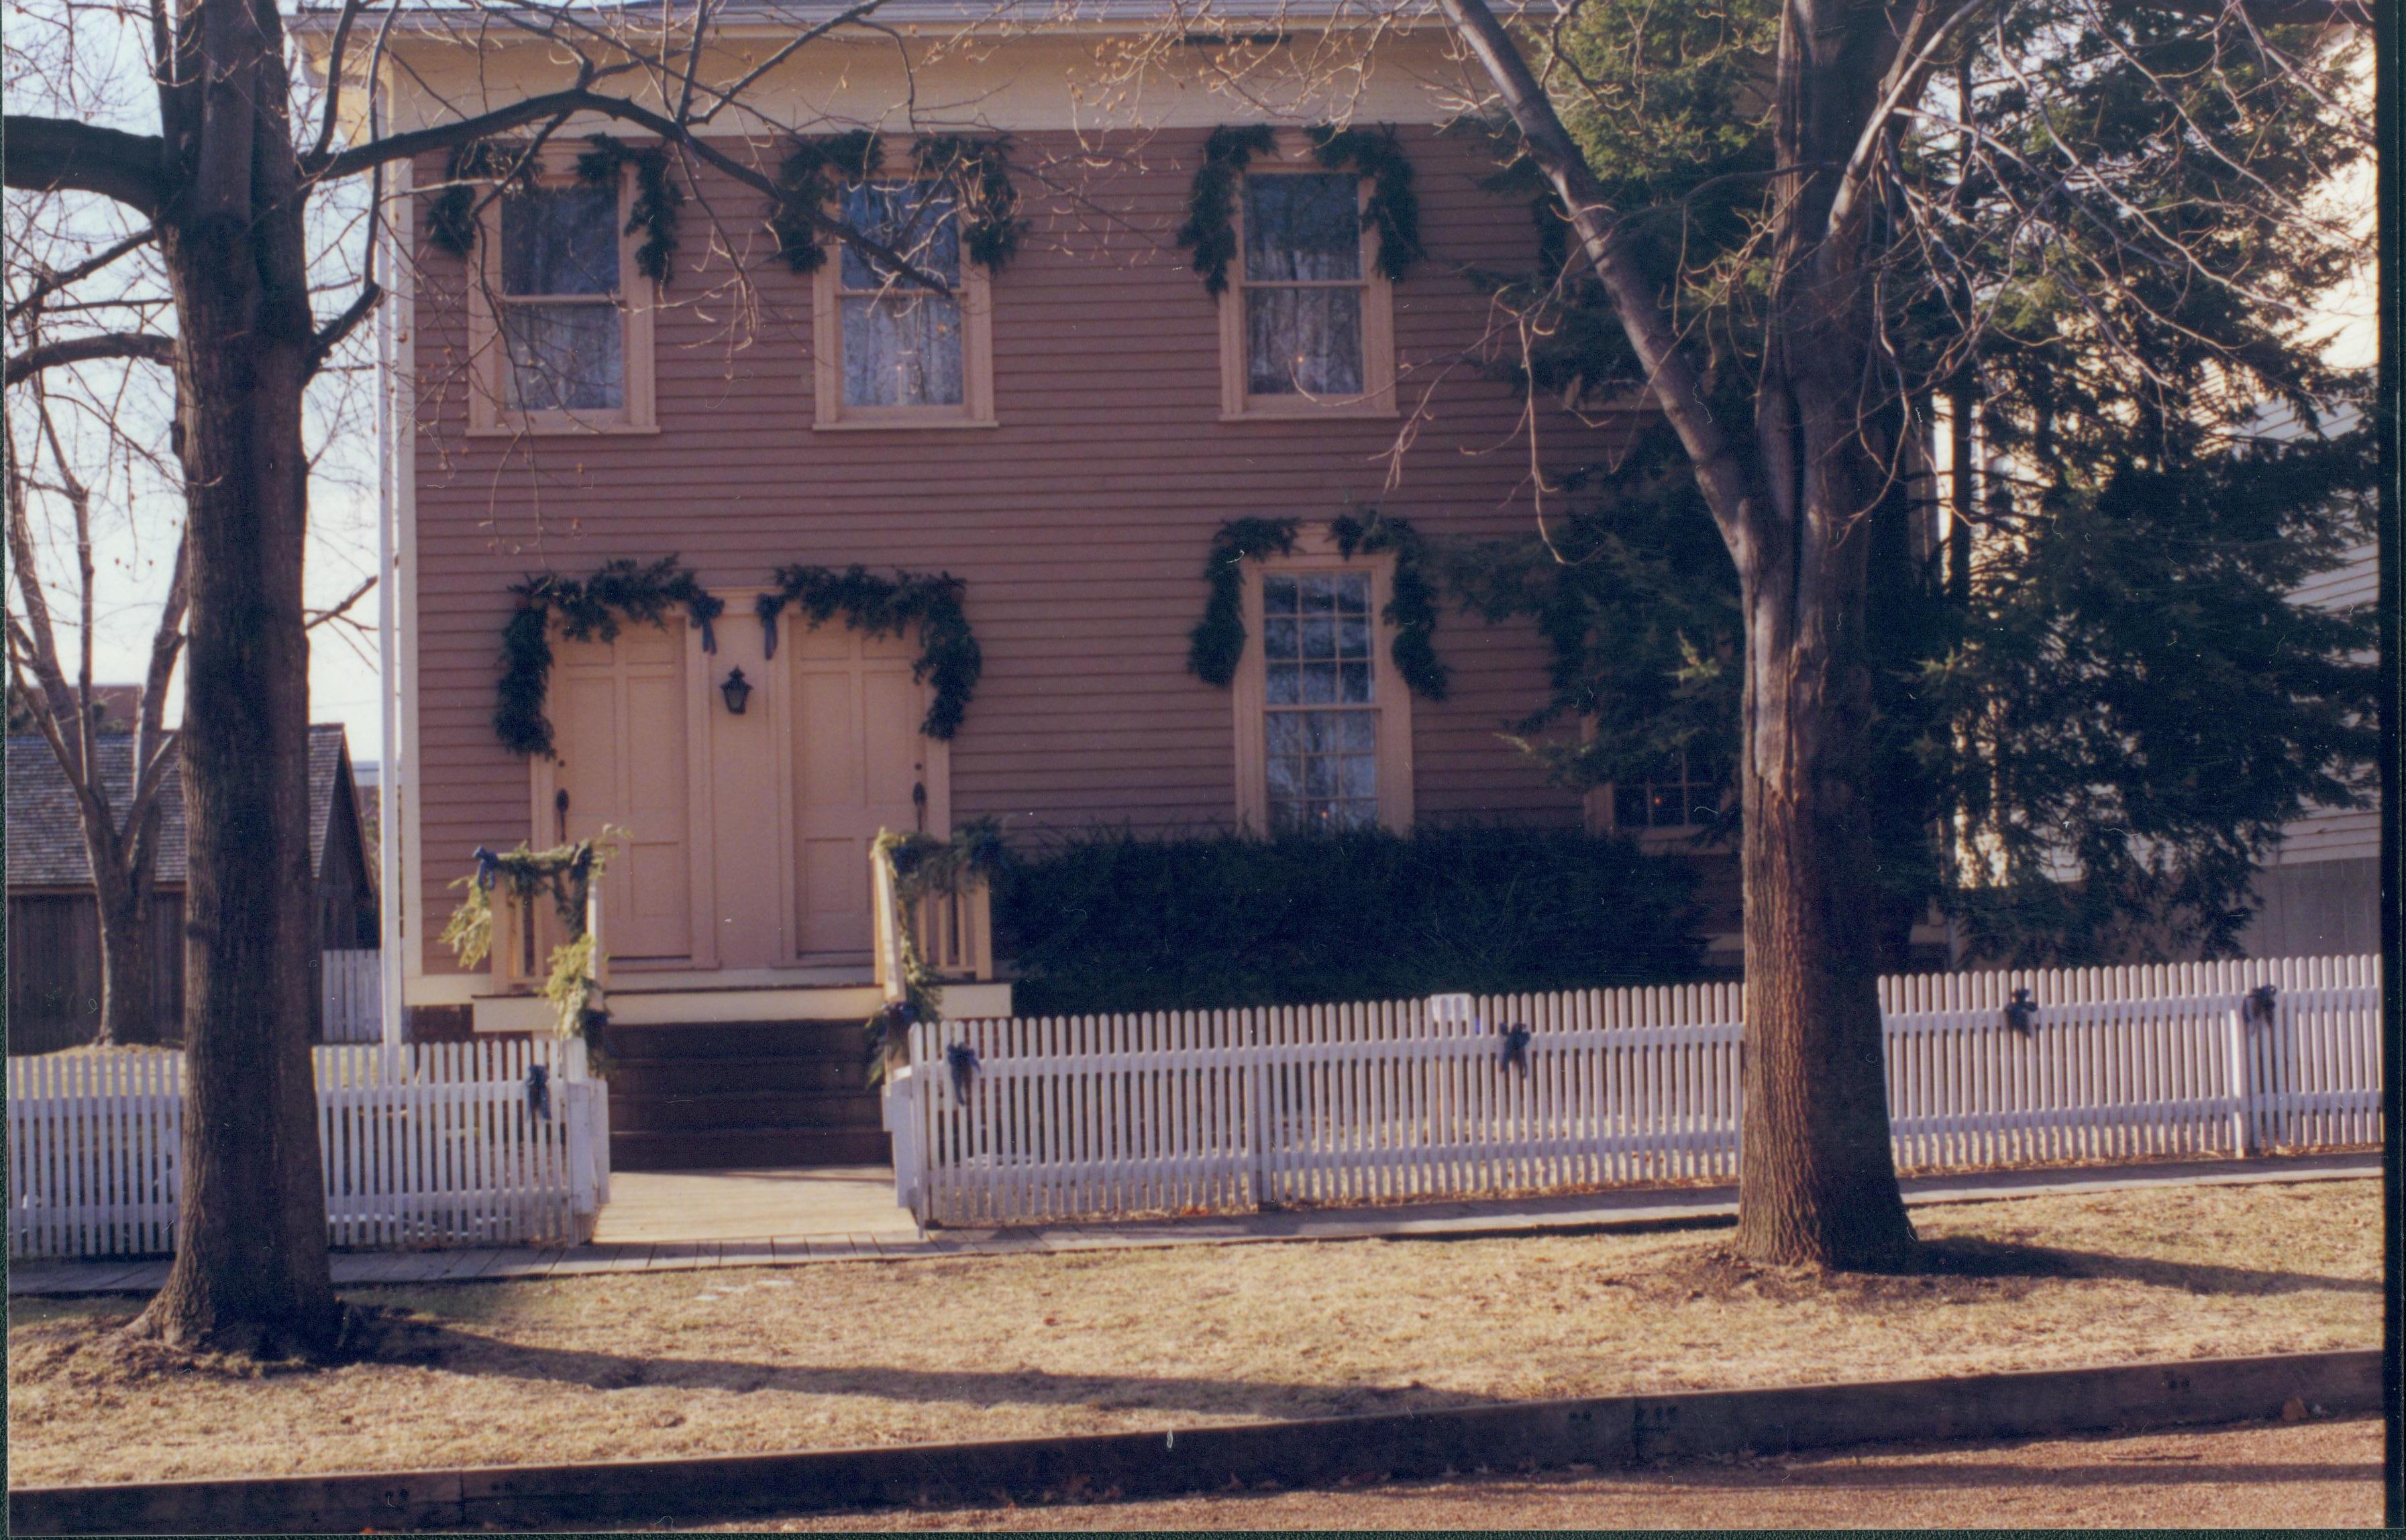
858, 757
620, 727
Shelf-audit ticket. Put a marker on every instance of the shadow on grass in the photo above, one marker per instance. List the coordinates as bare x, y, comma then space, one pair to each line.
1971, 1257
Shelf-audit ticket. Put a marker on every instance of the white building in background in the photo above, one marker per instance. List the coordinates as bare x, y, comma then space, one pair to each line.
2320, 893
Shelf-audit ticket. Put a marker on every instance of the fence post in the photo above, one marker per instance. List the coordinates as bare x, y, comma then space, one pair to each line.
2239, 1111
1256, 1111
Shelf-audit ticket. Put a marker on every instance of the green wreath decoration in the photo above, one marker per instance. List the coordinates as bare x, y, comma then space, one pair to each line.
566, 874
621, 591
1393, 206
451, 220
977, 170
889, 606
1217, 643
1411, 602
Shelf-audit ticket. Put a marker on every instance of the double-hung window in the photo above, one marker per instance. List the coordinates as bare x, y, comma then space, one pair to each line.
893, 351
1323, 724
1680, 793
563, 321
1307, 326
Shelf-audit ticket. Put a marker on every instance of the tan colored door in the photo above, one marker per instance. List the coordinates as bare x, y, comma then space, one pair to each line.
857, 757
618, 720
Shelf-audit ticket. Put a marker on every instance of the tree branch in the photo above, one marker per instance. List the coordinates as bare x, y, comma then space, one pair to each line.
52, 154
101, 345
51, 283
336, 612
1721, 472
331, 335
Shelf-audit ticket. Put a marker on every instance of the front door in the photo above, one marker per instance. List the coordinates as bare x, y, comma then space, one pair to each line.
619, 719
860, 764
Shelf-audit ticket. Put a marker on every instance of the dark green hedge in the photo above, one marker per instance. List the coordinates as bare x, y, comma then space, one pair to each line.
1109, 921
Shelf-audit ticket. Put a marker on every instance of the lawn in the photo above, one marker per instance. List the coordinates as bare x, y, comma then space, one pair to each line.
736, 1360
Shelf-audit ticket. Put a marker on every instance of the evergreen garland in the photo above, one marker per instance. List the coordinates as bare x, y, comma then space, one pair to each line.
922, 864
1210, 228
654, 212
566, 874
978, 172
1217, 643
889, 606
1393, 207
621, 590
807, 182
1411, 604
451, 216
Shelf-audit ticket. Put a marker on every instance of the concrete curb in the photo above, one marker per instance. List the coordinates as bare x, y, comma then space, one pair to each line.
1609, 1431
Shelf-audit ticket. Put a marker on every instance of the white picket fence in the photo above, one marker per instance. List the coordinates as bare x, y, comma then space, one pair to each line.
1227, 1111
434, 1145
352, 995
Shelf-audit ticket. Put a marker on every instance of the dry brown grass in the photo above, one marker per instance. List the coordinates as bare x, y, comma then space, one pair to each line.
645, 1365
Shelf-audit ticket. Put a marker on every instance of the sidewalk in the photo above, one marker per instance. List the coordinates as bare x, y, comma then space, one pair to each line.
876, 1238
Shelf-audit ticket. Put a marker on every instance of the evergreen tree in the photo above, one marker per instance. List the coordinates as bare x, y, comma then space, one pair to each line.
2095, 703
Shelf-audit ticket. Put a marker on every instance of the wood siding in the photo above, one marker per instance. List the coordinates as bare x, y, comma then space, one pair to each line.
1081, 522
54, 979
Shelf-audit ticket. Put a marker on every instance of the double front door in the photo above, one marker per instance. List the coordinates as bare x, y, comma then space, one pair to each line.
746, 834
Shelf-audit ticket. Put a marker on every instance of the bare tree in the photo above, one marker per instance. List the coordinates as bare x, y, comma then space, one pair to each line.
1793, 492
220, 186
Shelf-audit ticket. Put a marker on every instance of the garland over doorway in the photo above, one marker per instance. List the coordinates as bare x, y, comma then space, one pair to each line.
949, 657
621, 591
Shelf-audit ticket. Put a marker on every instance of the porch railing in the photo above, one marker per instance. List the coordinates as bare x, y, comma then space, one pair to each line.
953, 932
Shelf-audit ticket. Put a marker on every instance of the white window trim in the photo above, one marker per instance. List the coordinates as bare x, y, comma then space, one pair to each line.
973, 291
1378, 400
1316, 551
639, 296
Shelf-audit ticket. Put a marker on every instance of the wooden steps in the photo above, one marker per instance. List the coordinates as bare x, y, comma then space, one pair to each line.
741, 1093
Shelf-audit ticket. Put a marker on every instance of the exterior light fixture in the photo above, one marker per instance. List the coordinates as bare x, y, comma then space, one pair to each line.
738, 690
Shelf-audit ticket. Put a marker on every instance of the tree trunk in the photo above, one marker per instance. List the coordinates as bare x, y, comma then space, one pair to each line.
1817, 1176
128, 1002
250, 1272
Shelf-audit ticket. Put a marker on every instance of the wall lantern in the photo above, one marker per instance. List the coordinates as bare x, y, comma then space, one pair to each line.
738, 690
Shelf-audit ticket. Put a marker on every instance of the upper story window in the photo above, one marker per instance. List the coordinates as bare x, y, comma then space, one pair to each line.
892, 351
558, 300
1323, 724
561, 320
1307, 326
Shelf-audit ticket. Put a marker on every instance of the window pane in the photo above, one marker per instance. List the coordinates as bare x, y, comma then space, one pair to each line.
1285, 683
563, 356
1324, 770
1302, 228
1319, 639
1279, 636
1303, 341
1353, 637
1278, 595
559, 240
916, 218
903, 350
1353, 684
1320, 684
1354, 594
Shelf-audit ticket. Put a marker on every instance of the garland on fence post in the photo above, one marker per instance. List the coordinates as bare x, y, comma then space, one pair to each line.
978, 172
565, 873
621, 590
889, 606
922, 864
1411, 601
1217, 643
1393, 207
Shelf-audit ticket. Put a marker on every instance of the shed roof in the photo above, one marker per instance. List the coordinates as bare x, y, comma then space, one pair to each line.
46, 843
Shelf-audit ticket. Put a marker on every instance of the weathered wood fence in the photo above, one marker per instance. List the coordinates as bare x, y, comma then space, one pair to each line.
439, 1144
1218, 1111
351, 997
